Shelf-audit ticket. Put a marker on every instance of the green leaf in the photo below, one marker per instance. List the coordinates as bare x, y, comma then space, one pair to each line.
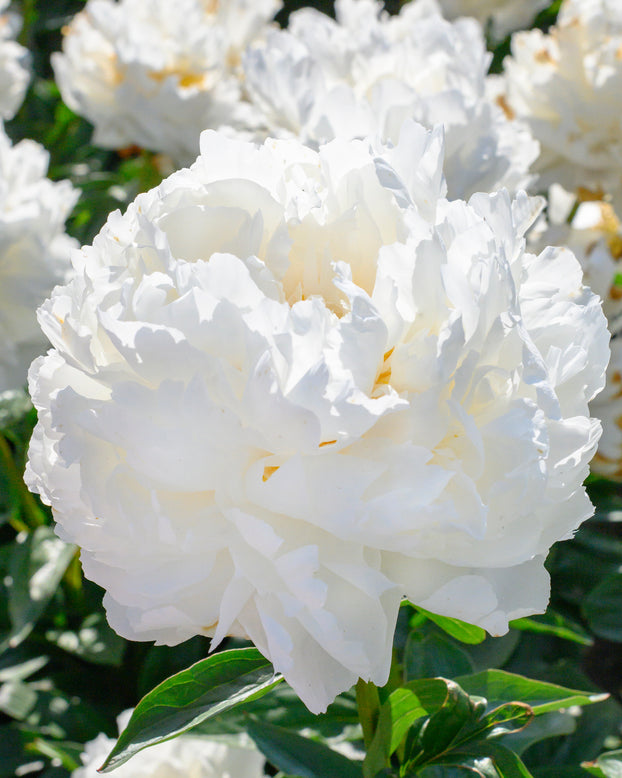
581, 566
17, 699
68, 754
23, 670
494, 652
506, 762
94, 641
508, 718
553, 624
437, 734
445, 725
602, 608
399, 711
434, 655
284, 708
209, 687
498, 686
293, 754
63, 716
37, 565
608, 765
432, 693
469, 768
402, 708
549, 725
160, 662
488, 760
461, 630
14, 405
12, 755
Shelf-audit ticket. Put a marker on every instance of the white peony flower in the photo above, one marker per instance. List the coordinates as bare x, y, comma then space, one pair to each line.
504, 16
367, 72
186, 756
594, 235
14, 73
156, 73
289, 387
567, 86
34, 251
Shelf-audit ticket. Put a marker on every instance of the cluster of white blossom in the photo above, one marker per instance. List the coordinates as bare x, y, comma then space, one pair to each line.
594, 233
290, 387
34, 251
14, 73
155, 72
367, 72
566, 85
187, 756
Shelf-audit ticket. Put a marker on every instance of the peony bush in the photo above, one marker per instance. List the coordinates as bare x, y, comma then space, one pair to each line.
309, 412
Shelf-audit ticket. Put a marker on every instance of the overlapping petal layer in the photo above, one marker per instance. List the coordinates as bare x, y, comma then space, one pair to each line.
594, 235
14, 73
34, 251
156, 73
290, 387
567, 86
367, 72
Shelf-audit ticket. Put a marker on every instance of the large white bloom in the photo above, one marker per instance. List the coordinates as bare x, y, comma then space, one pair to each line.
14, 73
504, 16
367, 72
156, 72
567, 86
290, 387
594, 235
186, 756
34, 251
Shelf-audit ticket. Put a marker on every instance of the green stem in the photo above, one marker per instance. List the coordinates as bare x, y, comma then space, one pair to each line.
73, 581
30, 510
368, 703
573, 211
29, 15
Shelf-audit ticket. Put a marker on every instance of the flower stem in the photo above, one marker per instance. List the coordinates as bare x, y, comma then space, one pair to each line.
29, 15
368, 703
73, 581
30, 510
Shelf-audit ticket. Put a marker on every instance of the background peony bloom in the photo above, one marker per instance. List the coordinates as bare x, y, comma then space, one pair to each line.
289, 387
504, 16
186, 756
367, 72
567, 86
14, 73
156, 73
34, 251
595, 237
